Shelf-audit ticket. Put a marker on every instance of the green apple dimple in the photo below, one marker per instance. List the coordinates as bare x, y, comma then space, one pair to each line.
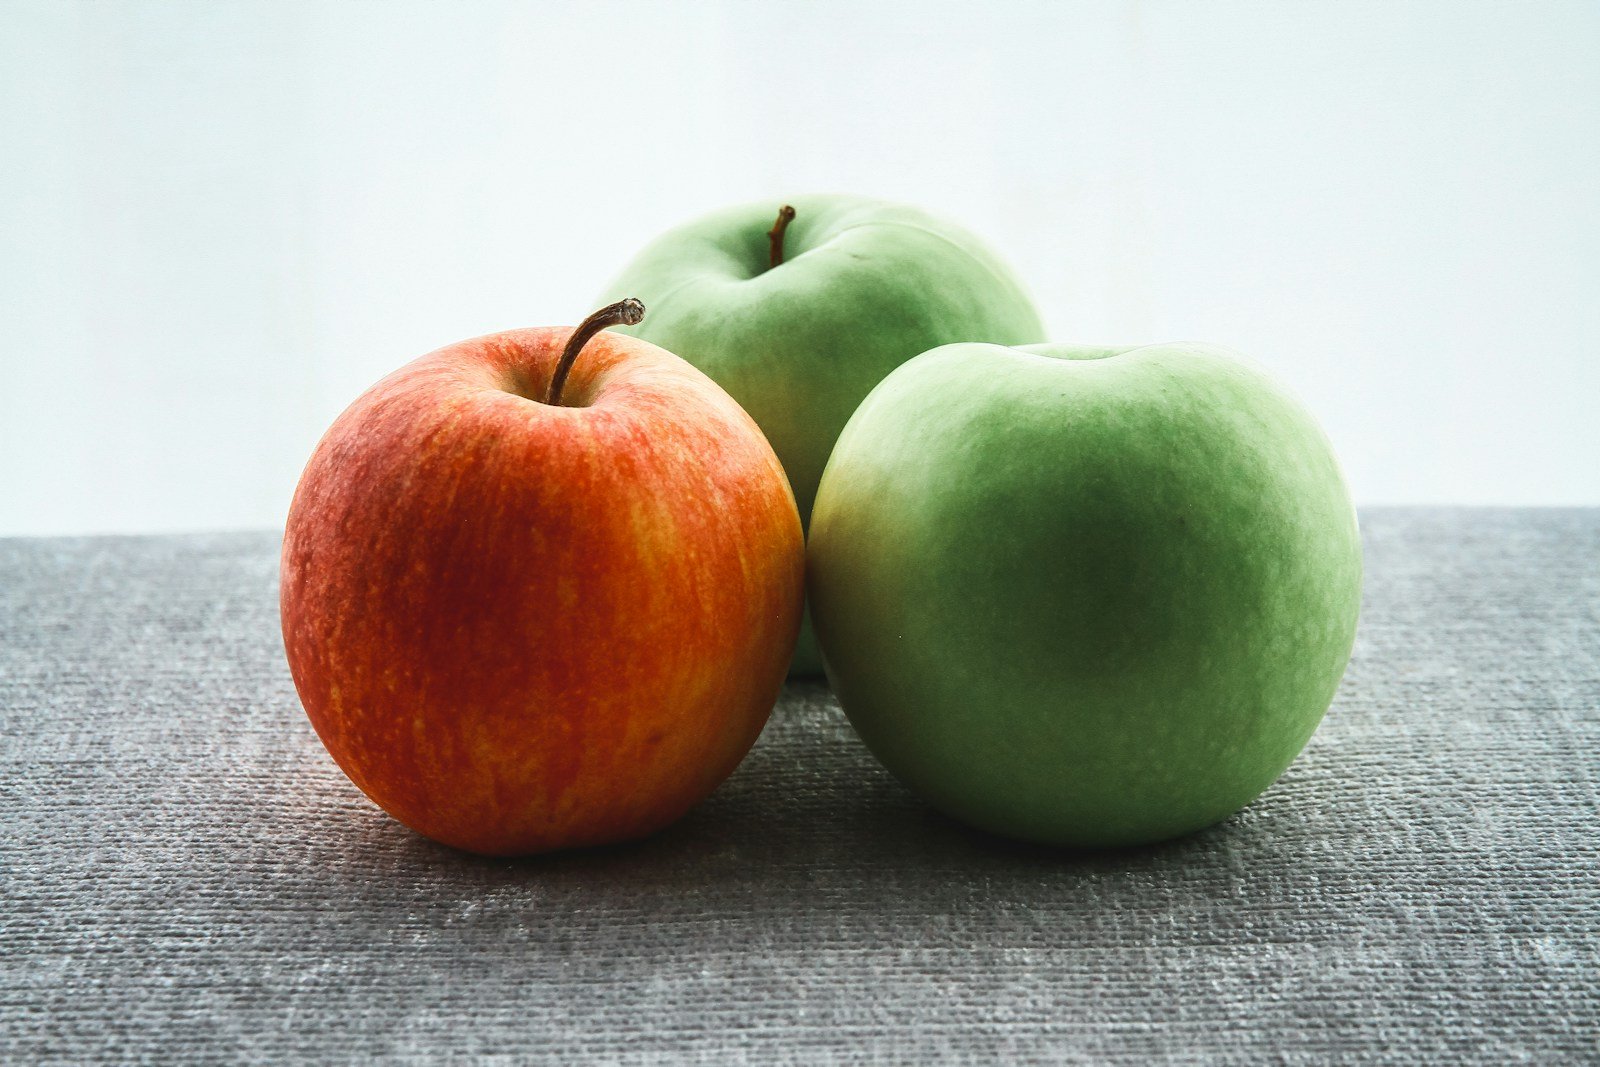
1077, 352
1099, 598
864, 286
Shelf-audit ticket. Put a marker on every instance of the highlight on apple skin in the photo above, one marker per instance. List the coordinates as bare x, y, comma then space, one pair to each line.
527, 614
1084, 596
799, 306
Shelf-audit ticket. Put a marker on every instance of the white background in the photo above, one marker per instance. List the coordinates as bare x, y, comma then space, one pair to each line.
219, 222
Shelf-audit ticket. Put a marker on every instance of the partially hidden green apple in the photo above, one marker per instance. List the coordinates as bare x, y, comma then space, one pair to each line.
1084, 596
799, 307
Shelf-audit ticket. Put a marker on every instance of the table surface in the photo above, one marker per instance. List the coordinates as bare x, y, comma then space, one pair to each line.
185, 874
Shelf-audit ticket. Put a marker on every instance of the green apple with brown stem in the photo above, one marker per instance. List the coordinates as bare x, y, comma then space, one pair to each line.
799, 307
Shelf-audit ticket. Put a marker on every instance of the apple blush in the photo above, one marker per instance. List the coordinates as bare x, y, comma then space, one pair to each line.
540, 588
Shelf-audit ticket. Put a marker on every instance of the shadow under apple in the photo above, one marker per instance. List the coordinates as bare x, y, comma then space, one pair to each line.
811, 827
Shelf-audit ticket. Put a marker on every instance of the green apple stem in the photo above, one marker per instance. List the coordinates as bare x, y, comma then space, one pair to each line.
775, 235
622, 313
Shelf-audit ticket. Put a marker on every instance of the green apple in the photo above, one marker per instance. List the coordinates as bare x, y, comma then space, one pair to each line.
799, 312
1084, 596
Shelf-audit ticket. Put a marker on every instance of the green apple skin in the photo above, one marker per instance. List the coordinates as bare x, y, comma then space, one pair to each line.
1090, 597
864, 286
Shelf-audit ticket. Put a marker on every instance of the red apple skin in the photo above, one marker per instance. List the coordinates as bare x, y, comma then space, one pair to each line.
520, 627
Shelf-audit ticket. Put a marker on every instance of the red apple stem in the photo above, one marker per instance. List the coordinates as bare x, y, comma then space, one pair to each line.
623, 313
775, 235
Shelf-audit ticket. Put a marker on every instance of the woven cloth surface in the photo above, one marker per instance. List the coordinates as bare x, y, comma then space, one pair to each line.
186, 876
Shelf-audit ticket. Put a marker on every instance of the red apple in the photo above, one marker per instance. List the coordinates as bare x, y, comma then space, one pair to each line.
528, 611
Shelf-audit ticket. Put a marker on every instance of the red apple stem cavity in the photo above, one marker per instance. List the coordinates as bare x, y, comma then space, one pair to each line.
623, 313
775, 235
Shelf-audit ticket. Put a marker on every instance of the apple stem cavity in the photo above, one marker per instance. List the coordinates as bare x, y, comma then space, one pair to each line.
627, 312
775, 236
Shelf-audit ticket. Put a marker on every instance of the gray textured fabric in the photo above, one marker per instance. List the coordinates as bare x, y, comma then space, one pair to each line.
186, 875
